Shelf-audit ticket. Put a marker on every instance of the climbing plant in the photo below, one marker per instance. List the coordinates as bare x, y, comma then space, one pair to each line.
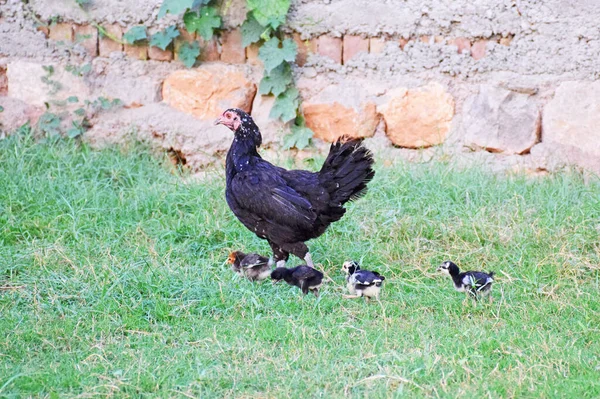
262, 26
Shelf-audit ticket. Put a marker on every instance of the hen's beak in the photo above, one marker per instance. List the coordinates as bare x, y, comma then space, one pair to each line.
219, 121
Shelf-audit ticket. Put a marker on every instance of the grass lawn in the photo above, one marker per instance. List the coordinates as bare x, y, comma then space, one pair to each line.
114, 283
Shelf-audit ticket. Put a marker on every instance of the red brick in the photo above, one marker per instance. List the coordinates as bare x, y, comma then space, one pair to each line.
439, 39
403, 42
156, 54
136, 51
376, 45
87, 37
252, 54
478, 49
425, 39
61, 32
505, 41
232, 51
44, 29
462, 43
305, 48
106, 44
209, 50
354, 45
331, 47
3, 81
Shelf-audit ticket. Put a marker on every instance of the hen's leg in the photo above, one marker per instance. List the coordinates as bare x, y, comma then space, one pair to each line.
300, 250
308, 260
280, 256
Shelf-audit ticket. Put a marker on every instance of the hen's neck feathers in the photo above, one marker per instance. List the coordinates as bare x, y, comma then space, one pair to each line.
243, 151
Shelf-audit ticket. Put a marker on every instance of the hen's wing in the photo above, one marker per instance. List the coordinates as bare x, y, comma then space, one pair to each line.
264, 194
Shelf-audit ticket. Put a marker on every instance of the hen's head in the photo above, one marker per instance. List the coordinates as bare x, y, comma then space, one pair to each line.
241, 124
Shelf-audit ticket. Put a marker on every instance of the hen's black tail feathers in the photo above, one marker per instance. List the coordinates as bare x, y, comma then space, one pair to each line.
346, 171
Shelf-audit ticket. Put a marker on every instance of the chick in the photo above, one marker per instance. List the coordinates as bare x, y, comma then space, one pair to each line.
304, 277
254, 267
362, 282
473, 283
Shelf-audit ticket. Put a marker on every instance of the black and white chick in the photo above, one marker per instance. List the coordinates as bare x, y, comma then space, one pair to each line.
473, 283
304, 277
254, 267
362, 282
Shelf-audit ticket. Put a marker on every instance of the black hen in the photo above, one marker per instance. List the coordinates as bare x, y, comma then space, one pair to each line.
289, 207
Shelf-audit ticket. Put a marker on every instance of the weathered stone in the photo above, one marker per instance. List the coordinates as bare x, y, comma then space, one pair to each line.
61, 32
192, 142
132, 89
107, 43
354, 45
376, 45
501, 120
478, 49
34, 85
157, 54
87, 37
16, 113
232, 51
329, 121
209, 90
270, 129
418, 117
330, 47
570, 124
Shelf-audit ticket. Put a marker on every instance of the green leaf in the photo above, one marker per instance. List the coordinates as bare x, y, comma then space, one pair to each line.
204, 22
174, 7
269, 12
300, 138
79, 112
135, 34
1, 108
251, 31
272, 55
277, 80
72, 99
188, 53
164, 38
285, 105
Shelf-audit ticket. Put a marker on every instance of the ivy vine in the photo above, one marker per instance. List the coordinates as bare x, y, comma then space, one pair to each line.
262, 25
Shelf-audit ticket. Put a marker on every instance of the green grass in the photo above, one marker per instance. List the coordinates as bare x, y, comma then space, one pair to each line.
118, 286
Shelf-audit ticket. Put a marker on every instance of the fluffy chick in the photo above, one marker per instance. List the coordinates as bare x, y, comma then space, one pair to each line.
254, 267
362, 282
473, 283
303, 276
